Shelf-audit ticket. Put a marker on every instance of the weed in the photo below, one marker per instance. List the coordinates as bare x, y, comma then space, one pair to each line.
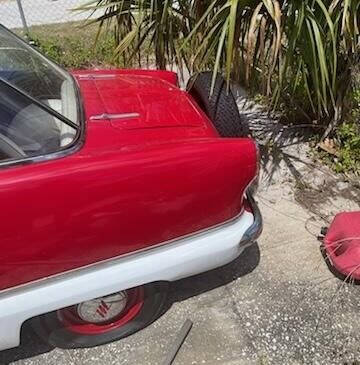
73, 46
347, 139
75, 53
348, 160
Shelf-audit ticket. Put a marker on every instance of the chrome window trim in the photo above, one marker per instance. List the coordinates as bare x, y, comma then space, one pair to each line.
59, 68
43, 106
79, 138
73, 147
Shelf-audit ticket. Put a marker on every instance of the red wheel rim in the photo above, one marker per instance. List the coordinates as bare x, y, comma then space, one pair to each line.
71, 320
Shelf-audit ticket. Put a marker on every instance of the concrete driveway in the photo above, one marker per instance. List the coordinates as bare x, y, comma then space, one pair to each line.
277, 304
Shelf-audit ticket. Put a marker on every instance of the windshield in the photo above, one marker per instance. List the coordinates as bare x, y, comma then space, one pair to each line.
39, 111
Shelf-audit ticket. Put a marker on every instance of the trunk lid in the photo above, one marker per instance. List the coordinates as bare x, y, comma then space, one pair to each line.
137, 102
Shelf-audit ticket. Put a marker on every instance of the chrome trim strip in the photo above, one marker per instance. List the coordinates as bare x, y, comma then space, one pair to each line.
42, 158
105, 262
106, 116
167, 263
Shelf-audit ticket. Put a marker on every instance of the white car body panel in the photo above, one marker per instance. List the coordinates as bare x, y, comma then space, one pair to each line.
168, 262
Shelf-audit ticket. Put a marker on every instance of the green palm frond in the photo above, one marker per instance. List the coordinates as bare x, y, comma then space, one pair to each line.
279, 47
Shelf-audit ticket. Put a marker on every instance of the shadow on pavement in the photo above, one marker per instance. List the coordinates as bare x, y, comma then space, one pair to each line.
195, 285
31, 345
180, 290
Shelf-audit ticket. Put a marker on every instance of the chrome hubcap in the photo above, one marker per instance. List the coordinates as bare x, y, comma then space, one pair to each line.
102, 309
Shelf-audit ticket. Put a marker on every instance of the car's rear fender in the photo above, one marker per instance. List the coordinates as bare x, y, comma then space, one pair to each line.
211, 170
168, 190
178, 259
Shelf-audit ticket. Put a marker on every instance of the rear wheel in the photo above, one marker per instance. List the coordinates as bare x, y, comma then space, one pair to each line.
102, 320
220, 107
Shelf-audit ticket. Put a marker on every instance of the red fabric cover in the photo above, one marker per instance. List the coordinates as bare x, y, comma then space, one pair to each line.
342, 244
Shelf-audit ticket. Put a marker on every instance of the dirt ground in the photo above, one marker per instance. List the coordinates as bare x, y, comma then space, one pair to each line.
276, 304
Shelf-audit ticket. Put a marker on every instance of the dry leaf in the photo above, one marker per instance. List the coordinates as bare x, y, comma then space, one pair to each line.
329, 146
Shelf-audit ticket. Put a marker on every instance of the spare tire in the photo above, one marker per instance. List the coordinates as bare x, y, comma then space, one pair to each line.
220, 107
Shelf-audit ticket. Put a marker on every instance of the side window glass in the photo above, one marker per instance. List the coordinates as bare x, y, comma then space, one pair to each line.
26, 129
32, 73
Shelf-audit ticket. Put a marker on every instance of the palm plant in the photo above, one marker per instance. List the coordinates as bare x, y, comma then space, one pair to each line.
140, 26
292, 51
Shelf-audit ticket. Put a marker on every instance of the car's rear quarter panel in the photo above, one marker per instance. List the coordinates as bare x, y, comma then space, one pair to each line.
68, 213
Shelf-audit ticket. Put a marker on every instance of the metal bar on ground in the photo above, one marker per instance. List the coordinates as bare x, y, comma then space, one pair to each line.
184, 331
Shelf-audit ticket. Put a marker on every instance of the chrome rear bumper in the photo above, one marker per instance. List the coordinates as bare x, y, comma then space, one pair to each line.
254, 231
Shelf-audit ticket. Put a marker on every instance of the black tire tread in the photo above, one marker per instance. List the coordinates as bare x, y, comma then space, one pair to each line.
50, 330
220, 107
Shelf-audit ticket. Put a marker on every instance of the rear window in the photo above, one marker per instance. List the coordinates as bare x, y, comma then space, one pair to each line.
39, 111
26, 129
26, 69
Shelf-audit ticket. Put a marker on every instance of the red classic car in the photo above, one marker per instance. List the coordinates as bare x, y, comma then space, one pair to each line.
113, 183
